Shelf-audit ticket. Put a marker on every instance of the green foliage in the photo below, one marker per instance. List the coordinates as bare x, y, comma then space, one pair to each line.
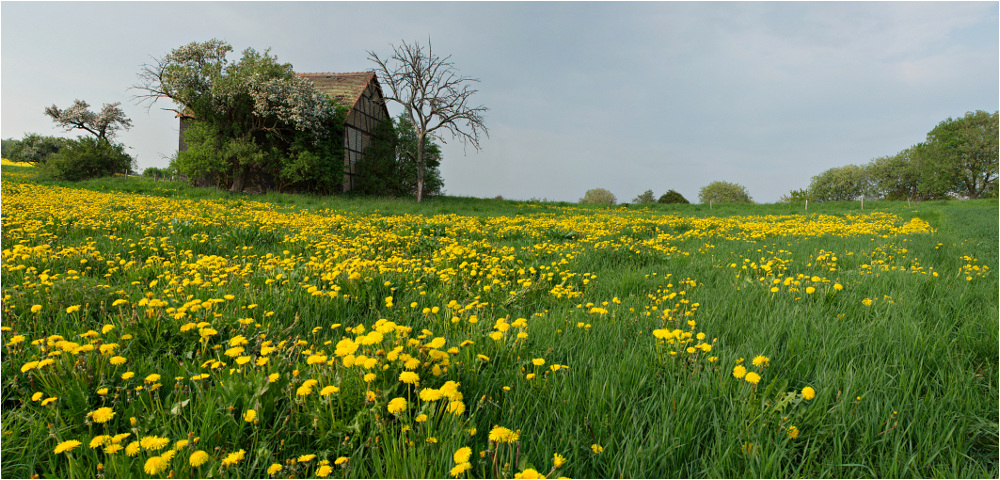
966, 149
159, 173
253, 123
599, 196
959, 158
645, 197
389, 167
840, 184
724, 192
799, 195
88, 157
672, 196
33, 148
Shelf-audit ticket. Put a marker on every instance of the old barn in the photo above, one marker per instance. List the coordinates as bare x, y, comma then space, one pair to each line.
361, 92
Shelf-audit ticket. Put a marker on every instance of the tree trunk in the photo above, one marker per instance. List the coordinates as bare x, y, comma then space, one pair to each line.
420, 167
240, 182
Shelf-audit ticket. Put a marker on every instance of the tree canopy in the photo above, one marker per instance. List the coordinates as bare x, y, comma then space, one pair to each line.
958, 159
252, 121
672, 196
389, 167
103, 125
434, 97
724, 192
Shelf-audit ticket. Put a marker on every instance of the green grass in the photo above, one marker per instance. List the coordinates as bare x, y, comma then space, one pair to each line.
903, 358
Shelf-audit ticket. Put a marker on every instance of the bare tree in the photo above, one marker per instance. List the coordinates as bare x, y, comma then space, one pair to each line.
434, 95
103, 125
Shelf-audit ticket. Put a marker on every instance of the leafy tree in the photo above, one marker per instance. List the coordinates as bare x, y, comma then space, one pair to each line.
672, 196
645, 197
964, 152
841, 183
389, 167
599, 195
252, 121
158, 173
724, 192
434, 97
104, 124
88, 157
905, 176
799, 195
33, 148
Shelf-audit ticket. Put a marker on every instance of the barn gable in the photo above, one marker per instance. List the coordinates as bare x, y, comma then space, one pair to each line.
361, 92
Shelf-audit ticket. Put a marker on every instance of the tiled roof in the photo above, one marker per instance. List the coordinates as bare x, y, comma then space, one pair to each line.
346, 88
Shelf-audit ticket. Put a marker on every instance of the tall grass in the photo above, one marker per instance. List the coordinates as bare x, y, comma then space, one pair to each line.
894, 329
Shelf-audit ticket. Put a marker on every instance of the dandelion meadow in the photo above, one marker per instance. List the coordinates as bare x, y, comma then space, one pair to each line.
151, 329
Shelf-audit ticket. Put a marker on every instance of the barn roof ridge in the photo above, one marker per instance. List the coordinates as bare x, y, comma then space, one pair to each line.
344, 91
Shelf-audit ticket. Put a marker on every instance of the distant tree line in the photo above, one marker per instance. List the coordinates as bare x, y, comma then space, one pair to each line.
96, 155
959, 159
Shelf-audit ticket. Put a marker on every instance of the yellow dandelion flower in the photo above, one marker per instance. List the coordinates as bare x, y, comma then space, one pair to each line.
37, 396
340, 460
155, 465
329, 390
102, 415
558, 460
132, 449
153, 442
529, 473
274, 468
808, 393
753, 378
462, 455
409, 377
793, 432
67, 446
113, 448
249, 415
430, 394
306, 458
198, 458
739, 371
397, 405
460, 469
99, 440
233, 458
760, 360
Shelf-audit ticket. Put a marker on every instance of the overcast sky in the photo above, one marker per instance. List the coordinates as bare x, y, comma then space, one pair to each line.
624, 96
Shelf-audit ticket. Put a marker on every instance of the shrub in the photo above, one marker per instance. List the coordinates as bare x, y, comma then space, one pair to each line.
672, 196
645, 197
33, 148
88, 157
599, 195
800, 195
724, 192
